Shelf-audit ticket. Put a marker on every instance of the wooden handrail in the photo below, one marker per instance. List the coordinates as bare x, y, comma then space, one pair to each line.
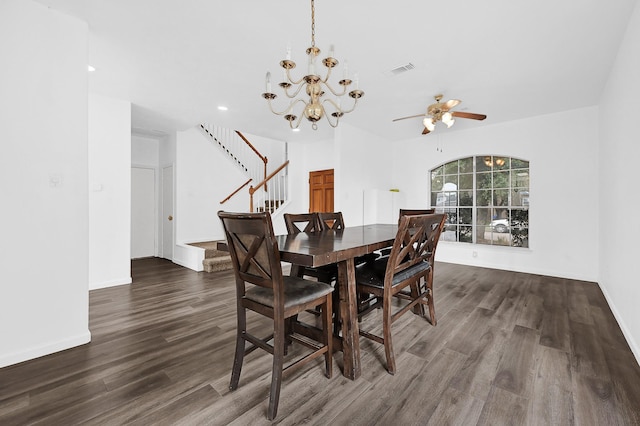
236, 191
264, 159
273, 173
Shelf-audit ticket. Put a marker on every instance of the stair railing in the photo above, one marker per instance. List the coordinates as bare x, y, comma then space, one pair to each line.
236, 147
260, 156
277, 193
235, 192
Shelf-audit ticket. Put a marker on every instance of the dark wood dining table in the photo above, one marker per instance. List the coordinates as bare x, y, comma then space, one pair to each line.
340, 247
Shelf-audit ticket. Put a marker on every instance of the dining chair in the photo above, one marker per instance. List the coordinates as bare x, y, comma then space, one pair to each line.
410, 261
411, 212
331, 220
335, 221
407, 212
261, 287
309, 222
301, 222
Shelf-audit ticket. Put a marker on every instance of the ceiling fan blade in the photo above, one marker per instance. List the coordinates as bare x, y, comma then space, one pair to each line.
411, 116
471, 115
425, 131
451, 103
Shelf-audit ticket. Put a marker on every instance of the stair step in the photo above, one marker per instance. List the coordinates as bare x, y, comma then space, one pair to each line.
220, 262
216, 256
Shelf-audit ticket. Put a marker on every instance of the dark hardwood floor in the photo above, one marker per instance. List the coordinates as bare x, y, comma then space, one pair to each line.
509, 348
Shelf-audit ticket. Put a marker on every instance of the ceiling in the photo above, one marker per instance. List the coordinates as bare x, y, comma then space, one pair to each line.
177, 61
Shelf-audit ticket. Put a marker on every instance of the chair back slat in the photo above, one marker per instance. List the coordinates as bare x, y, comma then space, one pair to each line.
253, 248
302, 222
331, 220
414, 212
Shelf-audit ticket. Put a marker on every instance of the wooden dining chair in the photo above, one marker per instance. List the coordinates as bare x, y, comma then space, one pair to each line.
261, 287
412, 212
411, 260
301, 222
331, 220
408, 212
309, 222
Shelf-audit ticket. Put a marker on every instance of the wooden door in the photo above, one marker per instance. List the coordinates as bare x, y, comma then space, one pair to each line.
321, 191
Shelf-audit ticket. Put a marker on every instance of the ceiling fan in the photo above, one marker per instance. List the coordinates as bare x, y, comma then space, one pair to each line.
441, 111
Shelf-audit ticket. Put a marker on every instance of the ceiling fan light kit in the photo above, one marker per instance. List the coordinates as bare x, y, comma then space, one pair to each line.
442, 111
315, 106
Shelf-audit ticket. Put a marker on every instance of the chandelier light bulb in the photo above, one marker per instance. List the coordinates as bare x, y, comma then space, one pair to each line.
267, 81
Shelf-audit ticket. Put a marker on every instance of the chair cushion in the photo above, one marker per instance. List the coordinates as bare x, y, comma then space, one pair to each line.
372, 274
297, 291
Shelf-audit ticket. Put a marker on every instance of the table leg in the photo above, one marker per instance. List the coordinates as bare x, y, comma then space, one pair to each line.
349, 316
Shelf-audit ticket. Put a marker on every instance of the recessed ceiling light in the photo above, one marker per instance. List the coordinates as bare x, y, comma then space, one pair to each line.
222, 108
90, 68
295, 130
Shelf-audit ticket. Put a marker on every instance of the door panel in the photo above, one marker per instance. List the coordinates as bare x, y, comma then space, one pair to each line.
321, 191
143, 211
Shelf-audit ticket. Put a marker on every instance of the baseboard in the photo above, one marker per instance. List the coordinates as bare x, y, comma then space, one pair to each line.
110, 283
623, 326
48, 349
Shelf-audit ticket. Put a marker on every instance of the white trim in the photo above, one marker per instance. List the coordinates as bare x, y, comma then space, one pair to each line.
110, 283
625, 330
47, 349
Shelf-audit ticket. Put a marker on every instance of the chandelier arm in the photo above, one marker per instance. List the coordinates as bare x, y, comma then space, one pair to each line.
335, 105
330, 123
287, 110
332, 90
297, 122
291, 79
326, 77
347, 111
286, 91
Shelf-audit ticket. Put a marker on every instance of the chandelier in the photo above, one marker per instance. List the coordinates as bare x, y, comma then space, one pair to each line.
314, 105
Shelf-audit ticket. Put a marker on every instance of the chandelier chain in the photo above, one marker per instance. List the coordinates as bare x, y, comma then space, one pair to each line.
313, 24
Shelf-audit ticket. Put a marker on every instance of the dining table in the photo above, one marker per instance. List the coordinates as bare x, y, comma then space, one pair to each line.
341, 247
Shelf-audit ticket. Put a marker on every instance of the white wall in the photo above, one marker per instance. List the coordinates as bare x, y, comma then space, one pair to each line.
203, 179
619, 152
562, 150
43, 182
362, 163
109, 192
145, 151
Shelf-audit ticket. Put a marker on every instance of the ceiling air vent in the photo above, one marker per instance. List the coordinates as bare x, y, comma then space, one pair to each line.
402, 68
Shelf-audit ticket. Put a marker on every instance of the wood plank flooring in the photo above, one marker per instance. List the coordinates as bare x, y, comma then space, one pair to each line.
509, 348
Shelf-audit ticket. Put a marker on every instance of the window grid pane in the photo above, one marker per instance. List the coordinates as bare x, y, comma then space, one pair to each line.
486, 206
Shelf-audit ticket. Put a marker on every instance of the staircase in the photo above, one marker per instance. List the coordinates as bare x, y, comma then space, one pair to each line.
216, 256
267, 192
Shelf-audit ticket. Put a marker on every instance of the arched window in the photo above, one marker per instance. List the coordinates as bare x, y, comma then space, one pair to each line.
486, 199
